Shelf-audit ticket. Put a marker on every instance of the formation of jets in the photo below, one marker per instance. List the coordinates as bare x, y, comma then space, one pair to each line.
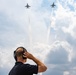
53, 5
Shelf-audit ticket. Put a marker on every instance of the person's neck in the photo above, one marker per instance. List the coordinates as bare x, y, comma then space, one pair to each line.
20, 60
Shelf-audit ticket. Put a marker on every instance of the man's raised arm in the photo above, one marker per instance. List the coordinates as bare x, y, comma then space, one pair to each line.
41, 66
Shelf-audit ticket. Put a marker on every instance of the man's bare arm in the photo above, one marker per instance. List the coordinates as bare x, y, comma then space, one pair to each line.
41, 66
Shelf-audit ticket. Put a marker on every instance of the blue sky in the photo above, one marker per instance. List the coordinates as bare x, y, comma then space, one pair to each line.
49, 34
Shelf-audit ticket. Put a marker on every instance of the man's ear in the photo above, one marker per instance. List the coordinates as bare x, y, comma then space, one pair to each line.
24, 56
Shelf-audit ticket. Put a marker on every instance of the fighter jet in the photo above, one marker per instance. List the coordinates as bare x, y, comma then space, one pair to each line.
27, 6
53, 5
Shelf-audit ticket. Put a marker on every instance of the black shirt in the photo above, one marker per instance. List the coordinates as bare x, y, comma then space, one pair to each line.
23, 69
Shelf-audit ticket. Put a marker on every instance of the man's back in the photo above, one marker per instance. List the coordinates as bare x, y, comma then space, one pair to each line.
23, 69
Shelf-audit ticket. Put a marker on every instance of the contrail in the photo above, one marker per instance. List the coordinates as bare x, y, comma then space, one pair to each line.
29, 28
30, 31
51, 22
48, 33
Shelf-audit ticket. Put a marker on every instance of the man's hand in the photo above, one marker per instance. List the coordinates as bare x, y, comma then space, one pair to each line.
28, 55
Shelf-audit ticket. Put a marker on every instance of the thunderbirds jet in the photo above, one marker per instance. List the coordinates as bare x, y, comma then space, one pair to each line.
53, 5
27, 6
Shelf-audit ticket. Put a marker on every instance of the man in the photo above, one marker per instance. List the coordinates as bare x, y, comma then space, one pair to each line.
21, 55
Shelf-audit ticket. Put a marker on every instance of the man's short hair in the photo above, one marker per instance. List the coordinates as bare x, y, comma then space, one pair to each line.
19, 53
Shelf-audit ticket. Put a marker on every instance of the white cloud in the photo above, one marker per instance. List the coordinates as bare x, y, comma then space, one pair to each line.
66, 73
6, 58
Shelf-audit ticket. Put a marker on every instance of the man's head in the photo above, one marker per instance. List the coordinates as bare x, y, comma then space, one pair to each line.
19, 52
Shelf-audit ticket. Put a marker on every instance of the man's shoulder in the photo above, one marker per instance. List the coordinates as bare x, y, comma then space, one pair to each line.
29, 66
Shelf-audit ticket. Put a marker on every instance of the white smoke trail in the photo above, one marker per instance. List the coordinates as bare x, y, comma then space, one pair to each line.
30, 32
30, 29
48, 31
